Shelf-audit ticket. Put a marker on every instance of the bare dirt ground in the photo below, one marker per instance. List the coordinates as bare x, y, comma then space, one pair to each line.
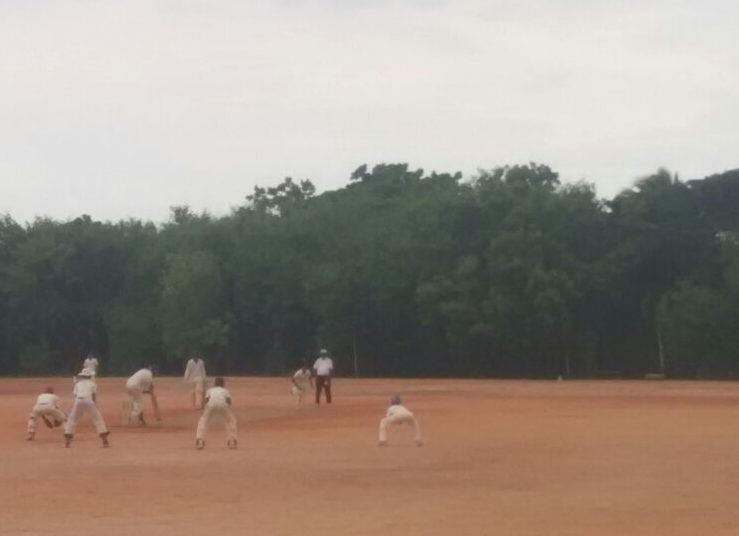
501, 457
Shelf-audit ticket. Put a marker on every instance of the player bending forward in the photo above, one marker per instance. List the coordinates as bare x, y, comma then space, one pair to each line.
85, 401
47, 407
397, 413
217, 402
300, 382
142, 382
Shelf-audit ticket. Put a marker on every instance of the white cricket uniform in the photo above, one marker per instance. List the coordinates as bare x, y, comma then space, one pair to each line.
399, 414
83, 393
195, 374
47, 405
301, 380
92, 364
136, 386
217, 404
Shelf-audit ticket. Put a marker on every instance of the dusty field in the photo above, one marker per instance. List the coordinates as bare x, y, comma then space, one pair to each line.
517, 457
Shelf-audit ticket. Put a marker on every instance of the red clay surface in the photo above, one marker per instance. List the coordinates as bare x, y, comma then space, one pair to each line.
501, 457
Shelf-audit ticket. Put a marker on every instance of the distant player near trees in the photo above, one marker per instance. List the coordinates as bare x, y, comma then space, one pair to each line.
195, 376
217, 402
92, 364
47, 408
323, 367
302, 378
397, 413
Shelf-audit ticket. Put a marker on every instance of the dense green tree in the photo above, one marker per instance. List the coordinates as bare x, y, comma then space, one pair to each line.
401, 272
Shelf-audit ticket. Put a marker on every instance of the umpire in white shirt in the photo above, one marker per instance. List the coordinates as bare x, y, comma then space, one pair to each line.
323, 367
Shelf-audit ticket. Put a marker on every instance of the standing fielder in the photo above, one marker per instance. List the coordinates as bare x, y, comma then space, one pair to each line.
300, 381
142, 382
46, 407
91, 363
397, 413
195, 374
217, 402
85, 401
323, 367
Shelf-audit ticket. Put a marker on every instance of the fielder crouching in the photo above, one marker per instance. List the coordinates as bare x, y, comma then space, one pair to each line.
47, 408
217, 402
397, 413
85, 401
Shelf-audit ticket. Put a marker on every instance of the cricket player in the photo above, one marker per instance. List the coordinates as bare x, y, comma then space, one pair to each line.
195, 375
85, 401
323, 367
300, 381
397, 413
91, 363
142, 382
46, 407
217, 402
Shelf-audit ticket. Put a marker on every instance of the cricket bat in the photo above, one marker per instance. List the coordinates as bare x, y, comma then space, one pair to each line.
155, 407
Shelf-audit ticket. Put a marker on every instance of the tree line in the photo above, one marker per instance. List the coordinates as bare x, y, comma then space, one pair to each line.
400, 273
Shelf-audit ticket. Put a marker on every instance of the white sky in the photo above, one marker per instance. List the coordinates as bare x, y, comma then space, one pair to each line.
119, 109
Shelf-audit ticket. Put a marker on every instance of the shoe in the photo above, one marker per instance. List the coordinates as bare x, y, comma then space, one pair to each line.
30, 437
67, 441
419, 443
232, 443
382, 443
104, 437
199, 444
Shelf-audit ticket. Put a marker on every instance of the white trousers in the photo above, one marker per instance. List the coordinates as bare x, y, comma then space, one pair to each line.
298, 393
197, 389
137, 408
44, 410
399, 419
82, 406
223, 410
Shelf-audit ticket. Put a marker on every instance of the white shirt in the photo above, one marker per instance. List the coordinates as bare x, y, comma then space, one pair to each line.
323, 366
84, 389
195, 371
141, 380
217, 396
302, 377
91, 363
398, 410
48, 399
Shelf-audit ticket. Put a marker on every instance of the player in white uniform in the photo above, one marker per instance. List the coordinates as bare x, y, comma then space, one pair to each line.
85, 401
142, 382
302, 378
397, 413
46, 407
217, 402
195, 375
91, 363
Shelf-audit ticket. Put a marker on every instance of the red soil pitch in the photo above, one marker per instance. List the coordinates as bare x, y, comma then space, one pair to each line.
501, 457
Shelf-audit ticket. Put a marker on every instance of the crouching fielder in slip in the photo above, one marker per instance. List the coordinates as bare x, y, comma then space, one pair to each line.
397, 413
217, 402
85, 401
141, 383
47, 407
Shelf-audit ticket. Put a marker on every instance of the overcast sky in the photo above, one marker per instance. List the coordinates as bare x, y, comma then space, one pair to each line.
123, 109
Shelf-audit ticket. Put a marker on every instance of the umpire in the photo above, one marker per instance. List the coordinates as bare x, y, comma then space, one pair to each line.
323, 367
